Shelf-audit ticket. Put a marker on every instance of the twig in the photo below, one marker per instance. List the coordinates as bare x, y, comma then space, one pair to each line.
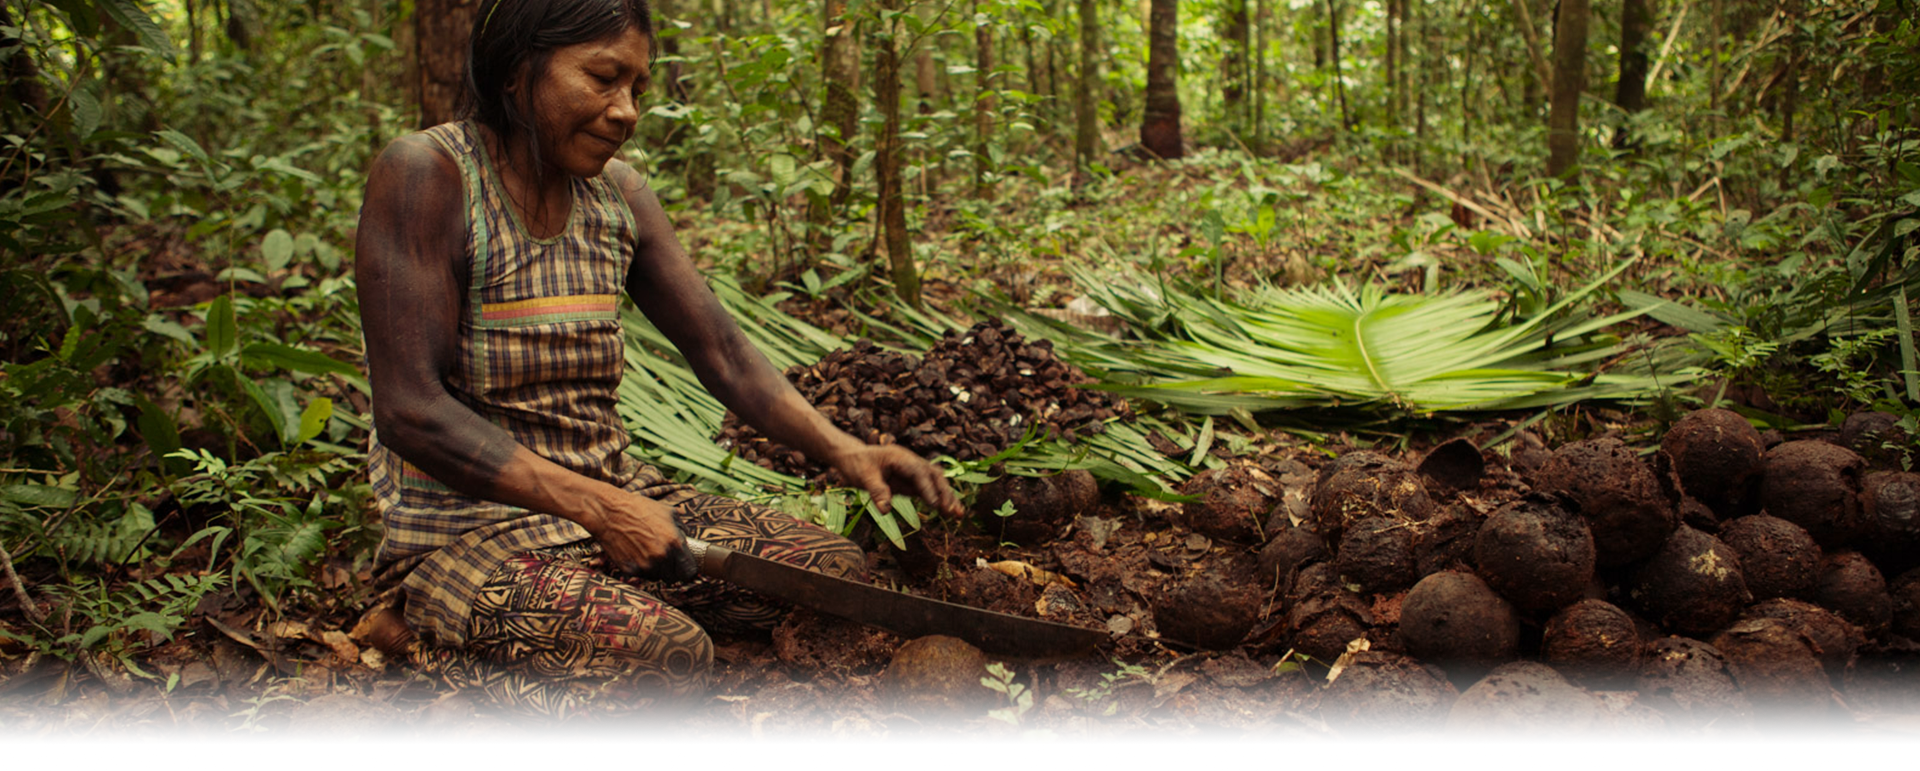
1455, 197
1666, 47
20, 589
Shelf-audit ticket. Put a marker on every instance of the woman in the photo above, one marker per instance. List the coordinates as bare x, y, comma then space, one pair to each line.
491, 253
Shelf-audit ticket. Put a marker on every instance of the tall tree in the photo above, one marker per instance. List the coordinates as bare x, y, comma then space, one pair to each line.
1160, 120
893, 203
441, 28
1569, 79
1233, 64
1339, 81
839, 116
982, 102
1630, 91
1086, 126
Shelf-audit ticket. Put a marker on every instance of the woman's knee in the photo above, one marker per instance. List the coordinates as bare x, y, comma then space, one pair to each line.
842, 558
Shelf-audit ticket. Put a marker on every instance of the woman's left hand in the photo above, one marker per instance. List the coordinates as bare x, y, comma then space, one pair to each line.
884, 470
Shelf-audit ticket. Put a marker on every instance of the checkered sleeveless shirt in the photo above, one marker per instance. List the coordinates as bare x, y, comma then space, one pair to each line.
540, 355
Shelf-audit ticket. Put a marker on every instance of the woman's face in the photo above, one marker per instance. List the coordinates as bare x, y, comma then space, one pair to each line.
587, 102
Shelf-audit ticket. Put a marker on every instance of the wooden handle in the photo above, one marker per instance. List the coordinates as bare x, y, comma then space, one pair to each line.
712, 558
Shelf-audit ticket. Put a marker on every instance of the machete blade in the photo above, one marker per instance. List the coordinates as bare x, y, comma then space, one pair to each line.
904, 614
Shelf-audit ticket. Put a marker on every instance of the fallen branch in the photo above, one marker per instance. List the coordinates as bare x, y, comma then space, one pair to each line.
1464, 202
27, 605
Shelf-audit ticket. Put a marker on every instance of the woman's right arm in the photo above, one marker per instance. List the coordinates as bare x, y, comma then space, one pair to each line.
408, 268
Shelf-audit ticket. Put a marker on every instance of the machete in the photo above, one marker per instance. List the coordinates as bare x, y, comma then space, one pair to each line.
999, 634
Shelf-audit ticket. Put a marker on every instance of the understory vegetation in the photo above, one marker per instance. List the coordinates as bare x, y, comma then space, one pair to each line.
1371, 252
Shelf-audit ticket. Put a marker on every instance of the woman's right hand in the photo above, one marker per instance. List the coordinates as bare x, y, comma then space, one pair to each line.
639, 538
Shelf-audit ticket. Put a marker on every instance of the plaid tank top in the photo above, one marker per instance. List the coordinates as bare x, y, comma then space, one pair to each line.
540, 355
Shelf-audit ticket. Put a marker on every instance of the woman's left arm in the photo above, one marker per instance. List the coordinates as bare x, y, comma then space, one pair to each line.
664, 283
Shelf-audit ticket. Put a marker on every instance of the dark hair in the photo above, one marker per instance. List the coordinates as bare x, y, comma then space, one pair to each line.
517, 38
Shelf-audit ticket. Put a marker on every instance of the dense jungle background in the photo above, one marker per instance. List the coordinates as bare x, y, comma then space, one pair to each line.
1268, 243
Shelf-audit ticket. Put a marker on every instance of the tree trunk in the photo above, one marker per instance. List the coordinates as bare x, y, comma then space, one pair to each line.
839, 120
893, 204
1160, 120
1523, 18
1569, 79
1086, 126
1257, 142
441, 29
982, 105
1636, 17
1233, 81
1393, 63
1790, 80
1339, 82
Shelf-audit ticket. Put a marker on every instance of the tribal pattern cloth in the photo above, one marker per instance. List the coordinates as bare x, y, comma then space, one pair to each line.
551, 634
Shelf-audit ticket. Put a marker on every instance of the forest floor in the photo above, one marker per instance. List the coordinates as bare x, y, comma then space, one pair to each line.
236, 669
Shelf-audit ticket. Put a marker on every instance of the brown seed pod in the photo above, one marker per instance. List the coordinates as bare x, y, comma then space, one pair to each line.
1593, 643
1295, 743
1232, 502
1362, 485
937, 674
1408, 752
1288, 550
1616, 492
1905, 603
1777, 558
1455, 620
1535, 554
1324, 622
1851, 586
1206, 612
1041, 505
1834, 638
1525, 716
1891, 501
1774, 664
1691, 683
1876, 436
1815, 485
1382, 691
1716, 456
1377, 554
1693, 585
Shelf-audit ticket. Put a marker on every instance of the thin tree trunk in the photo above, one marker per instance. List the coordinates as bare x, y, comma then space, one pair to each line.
1790, 80
1160, 118
1339, 84
893, 205
1257, 142
982, 105
839, 119
1524, 17
1086, 127
441, 28
1630, 92
193, 32
1569, 80
1392, 62
1233, 81
1717, 33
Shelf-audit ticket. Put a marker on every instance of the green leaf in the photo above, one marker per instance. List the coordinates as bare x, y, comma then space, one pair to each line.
86, 113
277, 249
130, 15
221, 327
314, 419
269, 406
42, 496
184, 143
157, 428
293, 359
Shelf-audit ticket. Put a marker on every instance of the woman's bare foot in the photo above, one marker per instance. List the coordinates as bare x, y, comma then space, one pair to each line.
385, 628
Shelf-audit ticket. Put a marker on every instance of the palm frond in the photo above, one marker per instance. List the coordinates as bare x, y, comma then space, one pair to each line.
1337, 345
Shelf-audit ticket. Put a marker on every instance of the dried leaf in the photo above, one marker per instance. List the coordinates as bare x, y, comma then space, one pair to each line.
1025, 572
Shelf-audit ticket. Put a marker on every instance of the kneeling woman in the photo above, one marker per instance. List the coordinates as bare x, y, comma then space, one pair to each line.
533, 558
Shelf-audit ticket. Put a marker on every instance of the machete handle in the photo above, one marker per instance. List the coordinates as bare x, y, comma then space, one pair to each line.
709, 557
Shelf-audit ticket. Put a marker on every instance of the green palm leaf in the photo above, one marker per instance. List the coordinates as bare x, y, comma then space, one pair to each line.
1336, 345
